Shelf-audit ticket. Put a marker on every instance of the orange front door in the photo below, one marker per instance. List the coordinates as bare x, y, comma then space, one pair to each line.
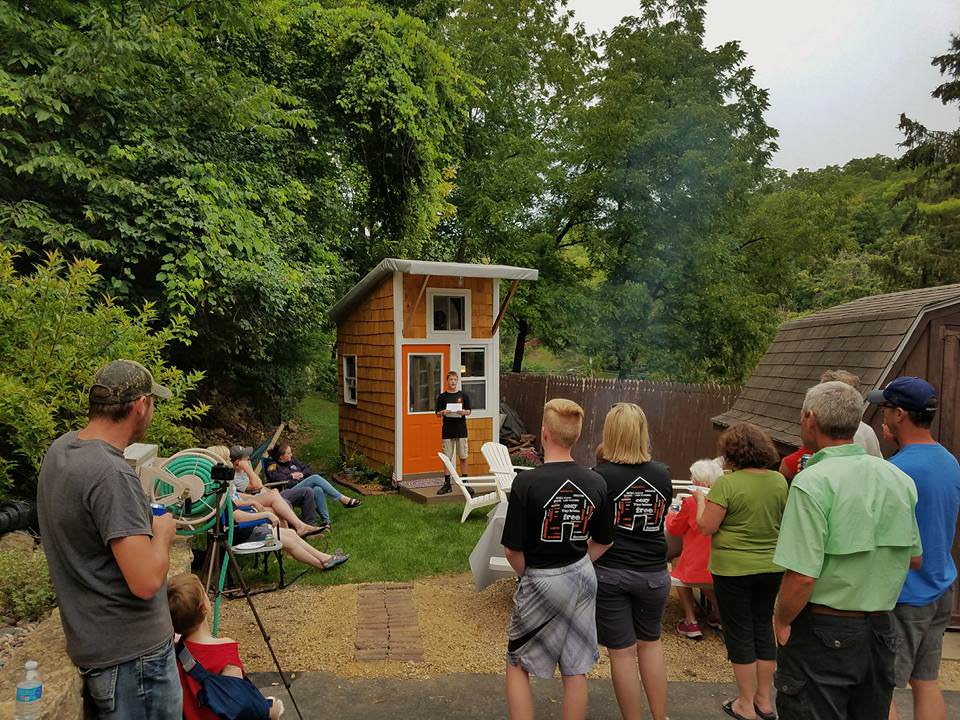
424, 367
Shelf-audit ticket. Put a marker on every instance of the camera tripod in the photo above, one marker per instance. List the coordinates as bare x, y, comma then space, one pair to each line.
219, 552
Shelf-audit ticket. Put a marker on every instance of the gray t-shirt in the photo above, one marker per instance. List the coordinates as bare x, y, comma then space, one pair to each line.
87, 496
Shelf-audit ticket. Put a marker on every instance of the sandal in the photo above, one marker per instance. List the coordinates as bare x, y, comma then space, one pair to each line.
316, 531
772, 715
337, 559
728, 709
353, 502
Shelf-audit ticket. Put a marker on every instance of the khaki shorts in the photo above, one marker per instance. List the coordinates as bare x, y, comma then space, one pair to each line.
455, 447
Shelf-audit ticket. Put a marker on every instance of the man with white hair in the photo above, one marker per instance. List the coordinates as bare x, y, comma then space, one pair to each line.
847, 538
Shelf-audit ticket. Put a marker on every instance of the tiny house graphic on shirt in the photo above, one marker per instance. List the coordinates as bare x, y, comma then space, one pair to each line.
639, 501
569, 509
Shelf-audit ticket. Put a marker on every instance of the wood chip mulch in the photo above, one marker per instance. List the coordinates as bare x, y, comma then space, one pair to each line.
461, 630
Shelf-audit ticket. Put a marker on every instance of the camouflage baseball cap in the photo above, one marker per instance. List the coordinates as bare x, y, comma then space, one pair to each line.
122, 381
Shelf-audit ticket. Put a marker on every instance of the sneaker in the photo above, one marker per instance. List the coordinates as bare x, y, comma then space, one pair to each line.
714, 624
689, 630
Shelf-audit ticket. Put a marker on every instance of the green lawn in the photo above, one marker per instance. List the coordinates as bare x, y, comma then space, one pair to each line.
318, 424
388, 537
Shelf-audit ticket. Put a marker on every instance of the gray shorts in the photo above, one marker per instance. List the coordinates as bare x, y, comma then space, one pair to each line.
920, 638
455, 447
630, 605
554, 620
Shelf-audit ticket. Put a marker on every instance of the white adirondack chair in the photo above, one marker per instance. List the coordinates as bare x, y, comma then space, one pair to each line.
475, 482
502, 468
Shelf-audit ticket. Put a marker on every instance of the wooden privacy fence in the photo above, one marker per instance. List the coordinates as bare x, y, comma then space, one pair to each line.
678, 413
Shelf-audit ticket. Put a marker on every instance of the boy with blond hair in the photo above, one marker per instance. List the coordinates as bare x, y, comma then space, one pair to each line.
558, 522
189, 610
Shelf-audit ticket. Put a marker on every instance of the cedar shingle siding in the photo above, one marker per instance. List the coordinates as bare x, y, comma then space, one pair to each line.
868, 337
368, 427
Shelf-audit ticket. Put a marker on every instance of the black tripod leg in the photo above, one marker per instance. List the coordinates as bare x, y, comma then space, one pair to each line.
232, 559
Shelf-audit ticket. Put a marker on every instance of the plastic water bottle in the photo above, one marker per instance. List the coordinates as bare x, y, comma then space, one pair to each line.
29, 705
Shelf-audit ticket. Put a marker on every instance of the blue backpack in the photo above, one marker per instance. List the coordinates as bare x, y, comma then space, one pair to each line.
229, 698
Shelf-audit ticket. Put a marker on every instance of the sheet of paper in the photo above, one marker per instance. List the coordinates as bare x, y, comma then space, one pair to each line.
454, 407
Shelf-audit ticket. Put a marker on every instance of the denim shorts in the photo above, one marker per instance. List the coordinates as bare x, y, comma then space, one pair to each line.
145, 688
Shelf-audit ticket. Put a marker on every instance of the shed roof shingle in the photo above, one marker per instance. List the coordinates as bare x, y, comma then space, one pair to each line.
864, 336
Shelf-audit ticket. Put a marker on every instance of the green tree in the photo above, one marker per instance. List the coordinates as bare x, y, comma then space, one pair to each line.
928, 250
671, 145
56, 334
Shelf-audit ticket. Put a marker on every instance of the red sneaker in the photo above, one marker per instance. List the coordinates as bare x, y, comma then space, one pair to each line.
689, 630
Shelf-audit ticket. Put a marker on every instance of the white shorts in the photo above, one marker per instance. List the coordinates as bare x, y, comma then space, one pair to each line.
455, 447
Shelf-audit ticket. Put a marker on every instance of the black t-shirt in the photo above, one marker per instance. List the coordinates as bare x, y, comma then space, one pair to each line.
553, 509
454, 426
639, 497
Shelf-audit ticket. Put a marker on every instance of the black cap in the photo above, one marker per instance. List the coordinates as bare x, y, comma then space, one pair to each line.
239, 451
122, 381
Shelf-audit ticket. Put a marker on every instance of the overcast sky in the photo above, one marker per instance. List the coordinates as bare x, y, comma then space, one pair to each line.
839, 72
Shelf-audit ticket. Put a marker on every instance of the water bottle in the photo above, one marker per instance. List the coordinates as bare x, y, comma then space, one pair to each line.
29, 705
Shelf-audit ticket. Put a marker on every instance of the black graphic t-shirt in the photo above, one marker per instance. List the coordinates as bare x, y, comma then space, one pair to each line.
454, 426
553, 509
639, 497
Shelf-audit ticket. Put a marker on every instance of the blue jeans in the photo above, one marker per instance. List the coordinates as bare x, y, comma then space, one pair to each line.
321, 488
145, 688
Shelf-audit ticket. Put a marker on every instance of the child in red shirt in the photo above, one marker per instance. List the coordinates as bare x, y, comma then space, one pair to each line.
189, 608
690, 569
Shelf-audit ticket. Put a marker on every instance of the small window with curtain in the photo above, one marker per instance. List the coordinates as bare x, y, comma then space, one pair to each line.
473, 378
350, 379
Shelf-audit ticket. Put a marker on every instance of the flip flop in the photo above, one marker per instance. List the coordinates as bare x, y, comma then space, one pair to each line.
316, 531
334, 561
728, 709
353, 502
764, 715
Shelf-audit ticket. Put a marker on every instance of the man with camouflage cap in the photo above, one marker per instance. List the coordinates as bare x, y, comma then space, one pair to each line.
108, 555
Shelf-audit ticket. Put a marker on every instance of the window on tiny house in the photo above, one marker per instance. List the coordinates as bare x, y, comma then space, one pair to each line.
449, 313
350, 379
473, 378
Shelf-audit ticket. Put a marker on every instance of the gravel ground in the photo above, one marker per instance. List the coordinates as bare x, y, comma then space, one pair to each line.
461, 631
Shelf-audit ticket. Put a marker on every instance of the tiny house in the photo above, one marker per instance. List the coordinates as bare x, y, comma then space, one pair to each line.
399, 331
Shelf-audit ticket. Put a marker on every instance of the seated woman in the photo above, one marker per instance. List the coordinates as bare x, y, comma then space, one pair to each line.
293, 543
245, 479
284, 467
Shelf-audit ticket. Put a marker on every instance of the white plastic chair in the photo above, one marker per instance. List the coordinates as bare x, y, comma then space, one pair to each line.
486, 482
502, 467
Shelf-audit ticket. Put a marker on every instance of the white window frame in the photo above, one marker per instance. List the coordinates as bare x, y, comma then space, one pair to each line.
467, 312
406, 379
488, 354
346, 378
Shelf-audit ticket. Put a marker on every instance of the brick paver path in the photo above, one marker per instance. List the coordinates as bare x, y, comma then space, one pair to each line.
387, 623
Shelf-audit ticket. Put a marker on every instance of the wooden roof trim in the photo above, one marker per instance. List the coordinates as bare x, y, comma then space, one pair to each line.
345, 305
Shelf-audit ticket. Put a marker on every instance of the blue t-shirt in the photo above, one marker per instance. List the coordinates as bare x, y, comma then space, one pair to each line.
937, 475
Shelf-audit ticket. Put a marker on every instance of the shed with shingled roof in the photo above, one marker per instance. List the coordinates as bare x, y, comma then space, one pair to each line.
916, 332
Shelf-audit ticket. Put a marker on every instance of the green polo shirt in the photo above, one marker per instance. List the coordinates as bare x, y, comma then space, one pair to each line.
850, 523
747, 537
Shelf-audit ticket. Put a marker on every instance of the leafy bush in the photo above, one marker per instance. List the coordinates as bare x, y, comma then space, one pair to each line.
54, 336
26, 592
361, 471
